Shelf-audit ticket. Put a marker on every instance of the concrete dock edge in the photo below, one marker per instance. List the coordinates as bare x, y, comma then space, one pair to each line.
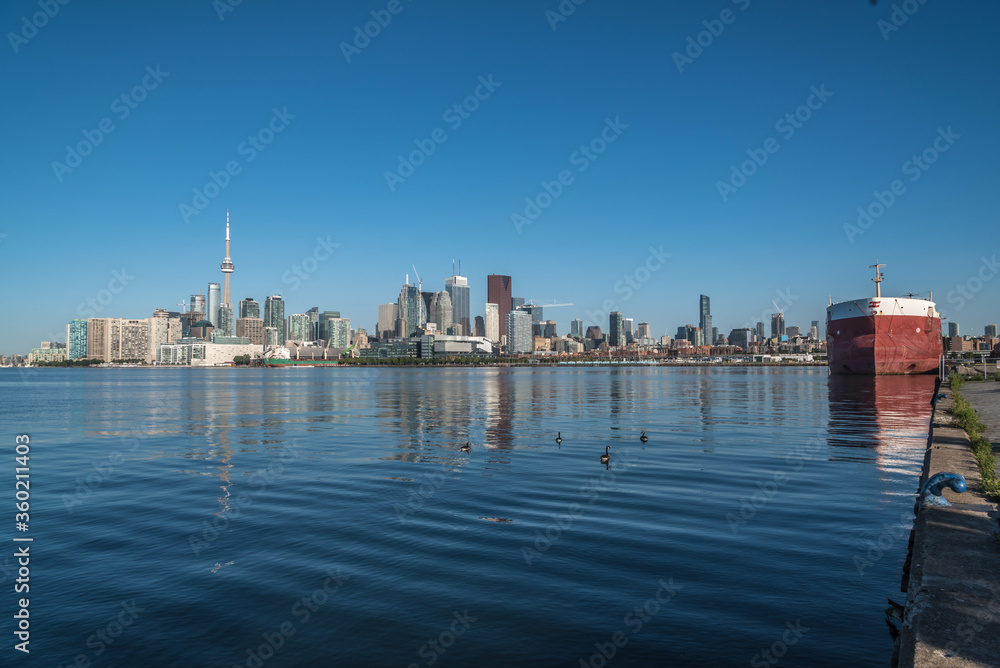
952, 615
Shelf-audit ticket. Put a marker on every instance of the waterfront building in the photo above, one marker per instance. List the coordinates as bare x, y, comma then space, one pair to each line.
953, 329
214, 301
225, 327
249, 308
499, 292
273, 336
387, 316
274, 317
705, 315
412, 310
459, 293
519, 337
323, 327
252, 329
990, 332
338, 333
76, 339
298, 327
492, 322
48, 352
777, 325
163, 328
110, 339
576, 328
616, 332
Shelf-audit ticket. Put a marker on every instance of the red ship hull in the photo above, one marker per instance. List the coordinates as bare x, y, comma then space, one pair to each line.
884, 344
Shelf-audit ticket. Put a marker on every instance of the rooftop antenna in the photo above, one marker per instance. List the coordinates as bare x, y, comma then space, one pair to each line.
879, 276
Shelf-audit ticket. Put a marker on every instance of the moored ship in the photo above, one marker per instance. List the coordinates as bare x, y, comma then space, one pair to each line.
883, 335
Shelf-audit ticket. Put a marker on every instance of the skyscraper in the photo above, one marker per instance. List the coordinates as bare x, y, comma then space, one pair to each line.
479, 327
616, 332
760, 330
990, 331
249, 308
323, 326
274, 317
225, 327
298, 327
76, 339
227, 268
627, 327
313, 315
642, 331
214, 301
340, 332
498, 291
441, 312
705, 317
492, 322
387, 315
459, 292
519, 339
252, 328
777, 325
576, 328
197, 304
814, 330
412, 310
953, 329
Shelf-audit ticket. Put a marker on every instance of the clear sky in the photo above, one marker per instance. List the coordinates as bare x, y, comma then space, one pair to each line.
311, 118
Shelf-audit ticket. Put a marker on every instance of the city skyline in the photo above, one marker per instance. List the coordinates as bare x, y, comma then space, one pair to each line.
862, 143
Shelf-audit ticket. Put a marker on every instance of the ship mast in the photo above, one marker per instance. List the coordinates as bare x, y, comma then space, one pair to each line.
878, 278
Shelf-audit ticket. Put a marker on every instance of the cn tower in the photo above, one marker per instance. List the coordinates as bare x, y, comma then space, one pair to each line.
227, 267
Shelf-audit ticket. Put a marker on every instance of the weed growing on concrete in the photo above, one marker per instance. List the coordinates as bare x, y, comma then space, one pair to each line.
965, 417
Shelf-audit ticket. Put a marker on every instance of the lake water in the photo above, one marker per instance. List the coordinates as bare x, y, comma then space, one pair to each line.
321, 517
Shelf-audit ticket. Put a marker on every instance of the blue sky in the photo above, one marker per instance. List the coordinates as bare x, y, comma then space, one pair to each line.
198, 86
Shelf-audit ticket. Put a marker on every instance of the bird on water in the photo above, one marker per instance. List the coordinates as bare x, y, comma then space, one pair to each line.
559, 437
643, 437
606, 457
467, 447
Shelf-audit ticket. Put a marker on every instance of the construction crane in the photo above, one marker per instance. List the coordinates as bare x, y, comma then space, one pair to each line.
554, 304
419, 280
183, 303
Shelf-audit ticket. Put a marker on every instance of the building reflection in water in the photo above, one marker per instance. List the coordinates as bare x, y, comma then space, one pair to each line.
880, 419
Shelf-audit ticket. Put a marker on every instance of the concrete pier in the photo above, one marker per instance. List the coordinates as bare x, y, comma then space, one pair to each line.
952, 613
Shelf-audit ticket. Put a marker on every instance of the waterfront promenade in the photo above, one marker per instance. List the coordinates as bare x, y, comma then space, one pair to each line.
953, 593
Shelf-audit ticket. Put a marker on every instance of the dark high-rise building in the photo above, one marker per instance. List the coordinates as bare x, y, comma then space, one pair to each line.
616, 330
760, 330
777, 325
576, 328
705, 317
249, 308
953, 329
594, 332
715, 334
498, 291
480, 326
990, 331
313, 316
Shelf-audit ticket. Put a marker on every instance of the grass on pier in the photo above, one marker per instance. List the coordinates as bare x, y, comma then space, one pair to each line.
965, 417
